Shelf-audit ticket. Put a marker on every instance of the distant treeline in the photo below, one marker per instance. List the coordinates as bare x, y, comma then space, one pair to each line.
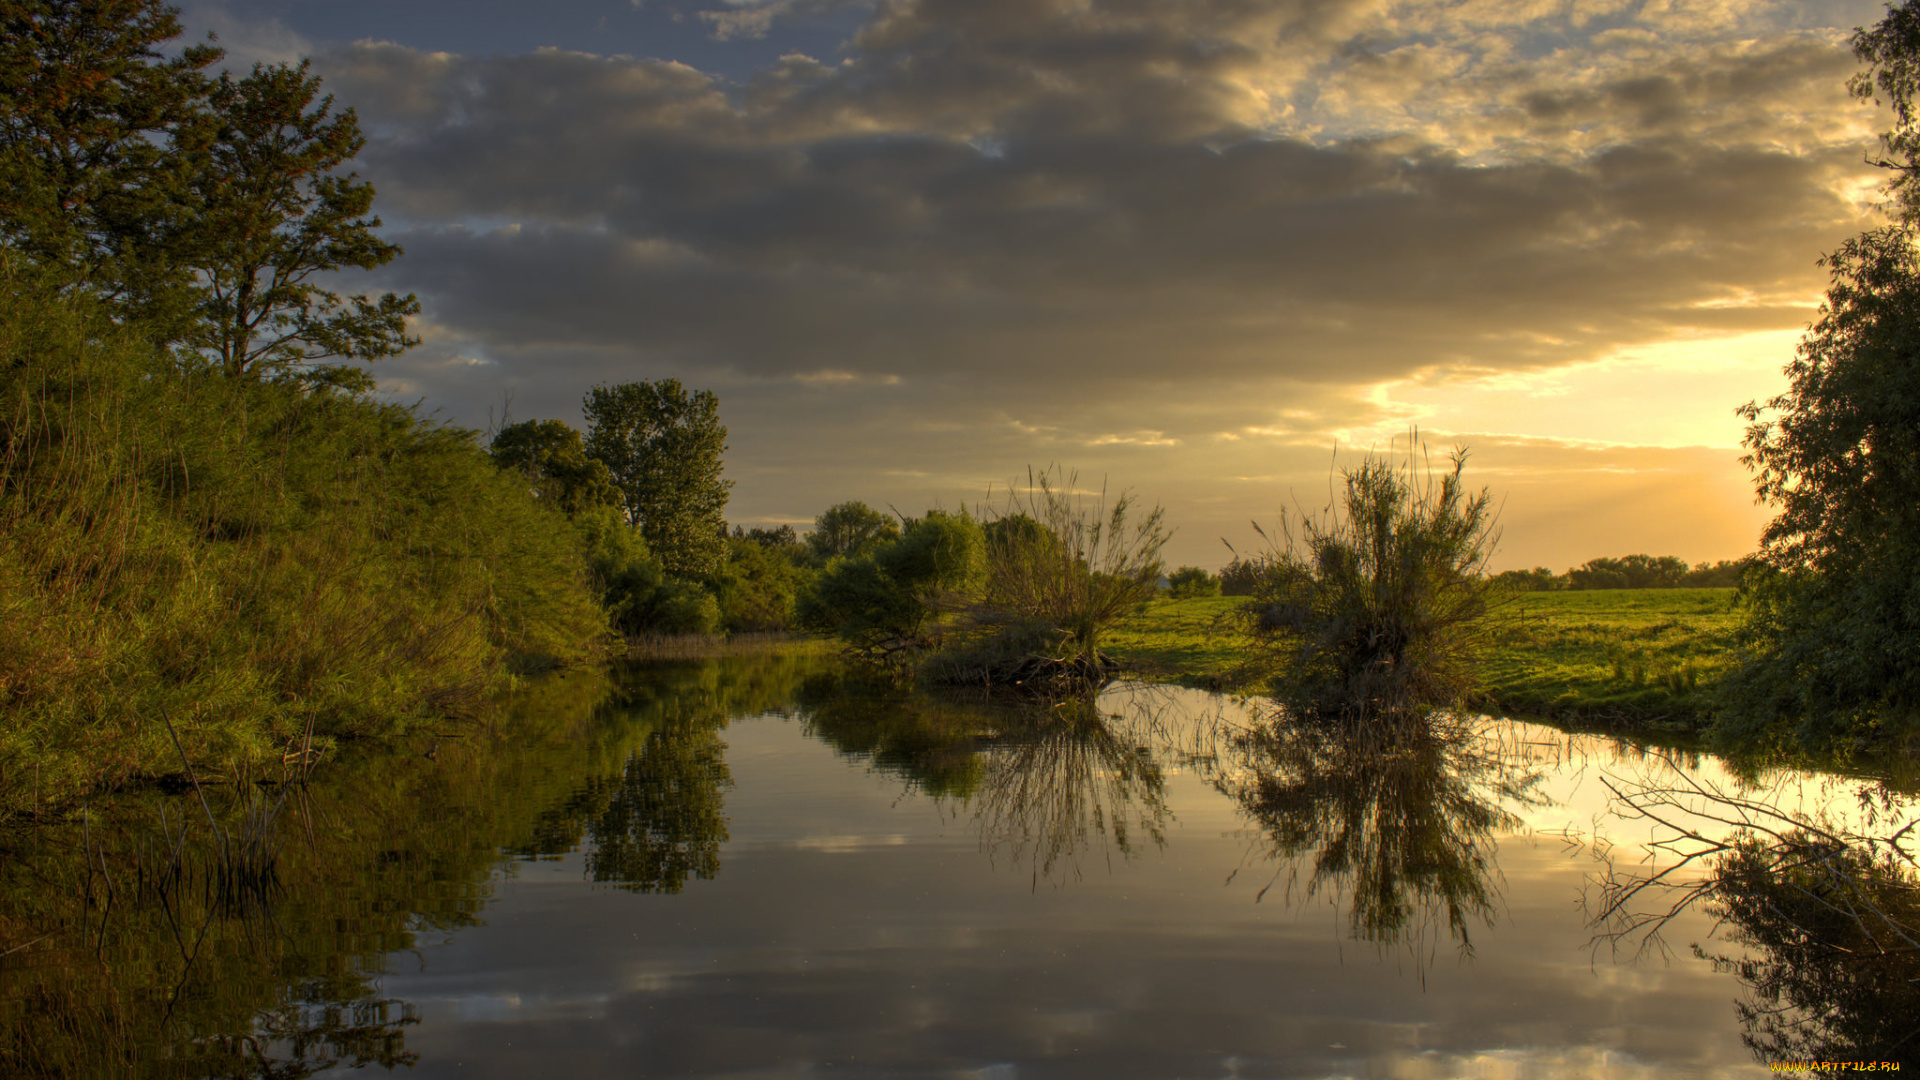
1239, 577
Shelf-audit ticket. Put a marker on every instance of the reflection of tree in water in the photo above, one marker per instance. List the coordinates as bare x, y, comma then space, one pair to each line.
930, 741
651, 825
1061, 779
1043, 781
1400, 829
663, 817
1828, 915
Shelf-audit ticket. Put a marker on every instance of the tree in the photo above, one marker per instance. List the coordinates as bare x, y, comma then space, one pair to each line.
851, 529
270, 216
1833, 637
553, 458
1891, 51
663, 447
881, 603
93, 116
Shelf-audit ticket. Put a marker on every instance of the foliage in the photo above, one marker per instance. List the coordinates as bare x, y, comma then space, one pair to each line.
850, 529
1891, 51
1833, 643
782, 539
93, 108
1631, 572
1378, 611
247, 557
1239, 577
640, 597
269, 214
1191, 581
663, 447
206, 208
756, 586
1061, 570
1538, 579
1398, 827
552, 457
882, 604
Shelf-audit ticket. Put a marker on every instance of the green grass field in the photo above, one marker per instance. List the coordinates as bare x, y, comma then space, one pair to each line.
1641, 656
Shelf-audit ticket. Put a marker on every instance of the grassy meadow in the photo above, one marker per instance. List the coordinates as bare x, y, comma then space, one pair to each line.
1616, 656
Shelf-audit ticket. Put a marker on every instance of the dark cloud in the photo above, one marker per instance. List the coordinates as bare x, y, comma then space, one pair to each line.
1098, 219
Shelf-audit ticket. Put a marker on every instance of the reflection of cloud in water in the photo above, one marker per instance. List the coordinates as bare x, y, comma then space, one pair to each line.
843, 844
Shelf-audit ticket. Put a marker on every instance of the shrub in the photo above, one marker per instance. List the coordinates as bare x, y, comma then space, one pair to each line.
1191, 581
1375, 607
247, 558
1240, 577
1060, 570
755, 587
881, 604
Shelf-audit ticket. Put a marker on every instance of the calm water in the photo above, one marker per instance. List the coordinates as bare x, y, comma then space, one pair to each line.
761, 868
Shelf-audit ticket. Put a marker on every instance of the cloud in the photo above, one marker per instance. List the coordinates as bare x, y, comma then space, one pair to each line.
1103, 221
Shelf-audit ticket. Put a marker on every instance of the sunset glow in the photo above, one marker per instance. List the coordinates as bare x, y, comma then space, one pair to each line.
1190, 248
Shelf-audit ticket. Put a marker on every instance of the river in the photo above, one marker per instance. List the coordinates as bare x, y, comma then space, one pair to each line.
769, 867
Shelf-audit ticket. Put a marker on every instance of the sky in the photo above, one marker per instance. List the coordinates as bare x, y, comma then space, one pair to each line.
1208, 252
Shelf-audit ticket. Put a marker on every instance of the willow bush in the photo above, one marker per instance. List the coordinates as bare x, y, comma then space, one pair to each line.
1062, 567
1375, 608
251, 560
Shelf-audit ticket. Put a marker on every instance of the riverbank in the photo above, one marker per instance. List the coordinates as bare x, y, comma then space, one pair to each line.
1644, 658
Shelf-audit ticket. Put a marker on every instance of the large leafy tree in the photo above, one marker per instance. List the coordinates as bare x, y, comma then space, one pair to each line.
1834, 637
274, 216
212, 211
1835, 630
663, 446
98, 124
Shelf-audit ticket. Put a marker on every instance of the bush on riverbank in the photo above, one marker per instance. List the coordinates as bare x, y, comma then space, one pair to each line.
1377, 610
244, 557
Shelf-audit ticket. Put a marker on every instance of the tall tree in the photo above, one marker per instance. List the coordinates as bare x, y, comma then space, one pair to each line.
1834, 634
94, 115
663, 446
273, 216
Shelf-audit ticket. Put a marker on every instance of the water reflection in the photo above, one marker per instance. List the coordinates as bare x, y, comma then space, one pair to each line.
1399, 830
903, 947
1044, 783
1069, 777
121, 952
1823, 908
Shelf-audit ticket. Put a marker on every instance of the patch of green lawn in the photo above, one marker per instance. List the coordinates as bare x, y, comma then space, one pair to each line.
1613, 654
1633, 655
1196, 642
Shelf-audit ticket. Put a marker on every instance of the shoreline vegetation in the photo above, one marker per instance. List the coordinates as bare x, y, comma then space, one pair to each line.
1622, 659
224, 552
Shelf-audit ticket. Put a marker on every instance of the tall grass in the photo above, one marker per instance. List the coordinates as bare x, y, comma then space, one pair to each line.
1377, 607
256, 560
